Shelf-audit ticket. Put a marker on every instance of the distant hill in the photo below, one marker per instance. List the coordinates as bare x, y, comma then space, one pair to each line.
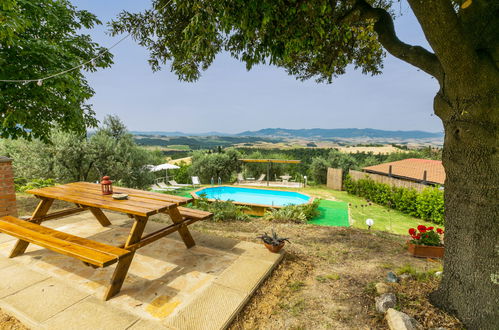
176, 133
311, 133
341, 133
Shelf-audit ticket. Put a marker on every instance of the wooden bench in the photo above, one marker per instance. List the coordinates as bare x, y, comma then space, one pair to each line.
88, 251
194, 214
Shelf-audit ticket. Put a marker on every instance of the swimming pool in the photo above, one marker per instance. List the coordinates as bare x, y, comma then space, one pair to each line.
257, 199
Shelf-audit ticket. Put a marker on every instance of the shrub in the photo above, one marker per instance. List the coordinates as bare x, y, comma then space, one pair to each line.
22, 184
427, 204
223, 210
293, 213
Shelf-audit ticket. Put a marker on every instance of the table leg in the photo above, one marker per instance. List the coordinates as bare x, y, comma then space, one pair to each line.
41, 210
100, 216
183, 230
121, 270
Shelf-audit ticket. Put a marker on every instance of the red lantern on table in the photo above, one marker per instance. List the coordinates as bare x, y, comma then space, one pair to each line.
106, 185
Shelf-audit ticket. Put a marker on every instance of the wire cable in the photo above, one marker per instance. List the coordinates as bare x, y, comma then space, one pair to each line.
39, 81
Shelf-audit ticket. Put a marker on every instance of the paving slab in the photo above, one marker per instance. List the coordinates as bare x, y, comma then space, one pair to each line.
214, 309
91, 313
149, 325
167, 287
32, 301
16, 278
244, 274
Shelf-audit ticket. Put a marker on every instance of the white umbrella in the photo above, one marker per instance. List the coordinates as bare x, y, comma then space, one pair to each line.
165, 166
161, 167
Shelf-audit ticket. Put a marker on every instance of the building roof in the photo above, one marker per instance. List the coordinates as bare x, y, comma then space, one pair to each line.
412, 169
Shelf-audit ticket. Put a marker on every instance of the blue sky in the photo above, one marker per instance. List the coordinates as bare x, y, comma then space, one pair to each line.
230, 99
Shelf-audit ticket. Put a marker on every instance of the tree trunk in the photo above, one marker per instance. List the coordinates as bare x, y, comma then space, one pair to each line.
470, 283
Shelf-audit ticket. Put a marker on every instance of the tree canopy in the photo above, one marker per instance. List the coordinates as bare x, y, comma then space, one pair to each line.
39, 38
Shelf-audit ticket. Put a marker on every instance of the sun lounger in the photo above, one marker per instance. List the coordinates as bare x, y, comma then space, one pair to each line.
195, 181
240, 178
158, 188
175, 184
260, 179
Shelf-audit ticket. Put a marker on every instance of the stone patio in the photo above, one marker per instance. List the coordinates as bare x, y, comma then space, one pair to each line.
168, 286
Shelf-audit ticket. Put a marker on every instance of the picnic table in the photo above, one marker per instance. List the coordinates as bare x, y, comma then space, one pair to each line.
139, 205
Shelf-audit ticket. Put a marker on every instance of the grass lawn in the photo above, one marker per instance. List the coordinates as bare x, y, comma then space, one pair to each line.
385, 219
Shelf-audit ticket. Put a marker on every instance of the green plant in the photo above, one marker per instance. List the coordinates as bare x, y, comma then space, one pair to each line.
417, 275
296, 286
427, 204
222, 210
426, 236
273, 239
293, 213
22, 184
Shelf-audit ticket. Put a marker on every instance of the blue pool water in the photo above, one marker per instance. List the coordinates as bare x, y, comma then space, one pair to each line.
254, 196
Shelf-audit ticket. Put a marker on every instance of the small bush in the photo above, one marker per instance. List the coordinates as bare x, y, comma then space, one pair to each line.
427, 204
23, 184
223, 210
294, 213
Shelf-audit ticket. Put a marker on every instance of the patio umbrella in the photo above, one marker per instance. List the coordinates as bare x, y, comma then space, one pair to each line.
165, 167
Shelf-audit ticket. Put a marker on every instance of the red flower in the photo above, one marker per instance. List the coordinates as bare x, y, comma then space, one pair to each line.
412, 231
440, 231
422, 228
429, 228
417, 237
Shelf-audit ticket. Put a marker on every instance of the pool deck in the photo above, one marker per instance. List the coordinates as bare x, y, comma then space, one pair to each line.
276, 184
168, 286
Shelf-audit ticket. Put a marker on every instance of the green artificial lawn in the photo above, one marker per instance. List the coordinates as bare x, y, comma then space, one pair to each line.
332, 214
385, 219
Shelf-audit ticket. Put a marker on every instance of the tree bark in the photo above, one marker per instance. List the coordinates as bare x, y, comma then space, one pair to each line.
470, 283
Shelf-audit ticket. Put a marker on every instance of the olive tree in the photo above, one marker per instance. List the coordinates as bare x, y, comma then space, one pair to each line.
39, 38
319, 39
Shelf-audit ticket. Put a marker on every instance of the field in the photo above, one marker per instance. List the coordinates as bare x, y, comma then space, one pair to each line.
374, 150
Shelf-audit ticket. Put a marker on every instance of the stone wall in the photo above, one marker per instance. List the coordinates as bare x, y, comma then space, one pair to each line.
335, 178
356, 175
7, 188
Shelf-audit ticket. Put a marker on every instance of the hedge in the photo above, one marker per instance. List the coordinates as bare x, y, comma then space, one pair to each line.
427, 204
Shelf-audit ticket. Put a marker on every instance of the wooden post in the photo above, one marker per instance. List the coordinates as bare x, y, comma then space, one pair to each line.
183, 230
37, 217
268, 173
424, 176
124, 263
390, 171
100, 216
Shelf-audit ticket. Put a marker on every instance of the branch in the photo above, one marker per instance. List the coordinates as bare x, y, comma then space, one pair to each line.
384, 27
445, 34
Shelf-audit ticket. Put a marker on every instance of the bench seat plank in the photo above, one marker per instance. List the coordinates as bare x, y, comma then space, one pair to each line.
193, 213
95, 253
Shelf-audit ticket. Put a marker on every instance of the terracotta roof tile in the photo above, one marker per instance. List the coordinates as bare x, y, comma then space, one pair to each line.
412, 168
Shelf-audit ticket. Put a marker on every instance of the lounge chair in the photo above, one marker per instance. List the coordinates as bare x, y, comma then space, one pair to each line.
157, 187
195, 181
260, 179
240, 178
174, 183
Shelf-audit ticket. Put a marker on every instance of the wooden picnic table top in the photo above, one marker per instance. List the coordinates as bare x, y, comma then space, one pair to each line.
139, 202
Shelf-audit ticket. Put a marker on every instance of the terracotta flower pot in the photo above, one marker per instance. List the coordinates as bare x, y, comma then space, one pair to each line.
274, 248
424, 251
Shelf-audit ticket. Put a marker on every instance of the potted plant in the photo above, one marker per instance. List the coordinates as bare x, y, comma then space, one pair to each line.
273, 242
426, 242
